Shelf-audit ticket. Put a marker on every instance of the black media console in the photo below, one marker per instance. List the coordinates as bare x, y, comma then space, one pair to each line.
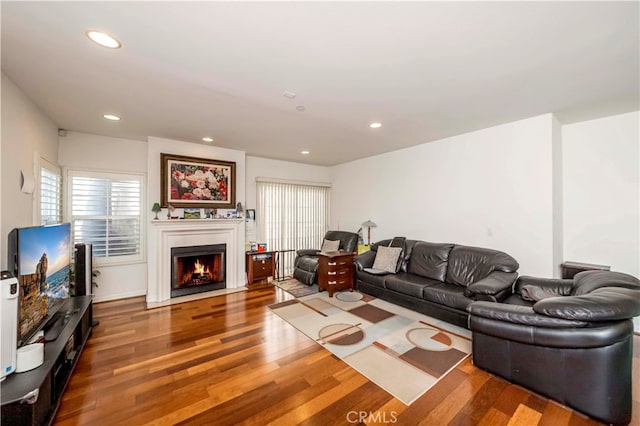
33, 397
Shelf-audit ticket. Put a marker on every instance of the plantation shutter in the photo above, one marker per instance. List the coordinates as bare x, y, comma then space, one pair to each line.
106, 211
50, 194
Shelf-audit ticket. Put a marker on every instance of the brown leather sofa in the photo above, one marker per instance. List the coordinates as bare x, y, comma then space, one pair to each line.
570, 340
439, 280
306, 261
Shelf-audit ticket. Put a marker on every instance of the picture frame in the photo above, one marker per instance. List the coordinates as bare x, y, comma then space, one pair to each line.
191, 213
250, 214
197, 182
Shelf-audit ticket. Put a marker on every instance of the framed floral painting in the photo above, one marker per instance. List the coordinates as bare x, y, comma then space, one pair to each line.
197, 182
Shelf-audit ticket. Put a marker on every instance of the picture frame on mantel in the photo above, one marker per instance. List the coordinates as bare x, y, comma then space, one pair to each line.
197, 182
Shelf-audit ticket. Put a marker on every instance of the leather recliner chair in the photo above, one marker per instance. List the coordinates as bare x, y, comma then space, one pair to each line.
570, 340
306, 262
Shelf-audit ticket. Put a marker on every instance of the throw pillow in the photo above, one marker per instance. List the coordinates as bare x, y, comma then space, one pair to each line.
330, 245
387, 258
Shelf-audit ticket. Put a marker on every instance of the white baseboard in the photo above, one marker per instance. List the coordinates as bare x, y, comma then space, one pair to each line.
119, 296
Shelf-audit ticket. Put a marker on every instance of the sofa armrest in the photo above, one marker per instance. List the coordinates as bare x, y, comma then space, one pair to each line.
308, 252
603, 304
364, 260
494, 287
521, 315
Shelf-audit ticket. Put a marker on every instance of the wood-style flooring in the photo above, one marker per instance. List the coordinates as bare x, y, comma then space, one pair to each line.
229, 361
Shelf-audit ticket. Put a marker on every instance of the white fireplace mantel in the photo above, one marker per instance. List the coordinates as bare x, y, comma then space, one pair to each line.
166, 234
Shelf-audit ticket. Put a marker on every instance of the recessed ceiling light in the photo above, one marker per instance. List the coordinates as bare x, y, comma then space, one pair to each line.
375, 125
304, 152
103, 39
111, 117
300, 108
207, 139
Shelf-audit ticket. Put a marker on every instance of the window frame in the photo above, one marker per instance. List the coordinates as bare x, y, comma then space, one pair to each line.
70, 172
44, 164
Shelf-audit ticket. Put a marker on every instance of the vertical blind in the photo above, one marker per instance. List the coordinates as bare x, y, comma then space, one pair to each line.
106, 211
50, 195
292, 216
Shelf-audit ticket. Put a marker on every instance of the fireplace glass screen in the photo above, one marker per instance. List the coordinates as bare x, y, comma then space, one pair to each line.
197, 269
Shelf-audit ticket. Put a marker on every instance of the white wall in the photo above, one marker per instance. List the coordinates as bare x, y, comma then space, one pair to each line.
601, 161
93, 152
489, 188
27, 135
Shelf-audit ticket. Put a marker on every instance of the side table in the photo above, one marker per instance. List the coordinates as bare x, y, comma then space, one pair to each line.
260, 266
335, 271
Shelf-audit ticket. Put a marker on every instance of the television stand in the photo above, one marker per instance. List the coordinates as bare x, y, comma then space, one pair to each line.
33, 397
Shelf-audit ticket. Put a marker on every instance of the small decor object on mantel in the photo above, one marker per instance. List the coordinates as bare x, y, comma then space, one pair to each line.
191, 213
197, 182
170, 210
156, 209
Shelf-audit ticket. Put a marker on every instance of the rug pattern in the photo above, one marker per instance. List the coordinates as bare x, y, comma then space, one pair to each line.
402, 351
296, 288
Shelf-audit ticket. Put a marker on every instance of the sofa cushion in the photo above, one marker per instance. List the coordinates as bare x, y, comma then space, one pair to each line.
448, 295
515, 299
375, 280
387, 259
406, 256
470, 264
533, 293
408, 284
330, 245
307, 264
429, 260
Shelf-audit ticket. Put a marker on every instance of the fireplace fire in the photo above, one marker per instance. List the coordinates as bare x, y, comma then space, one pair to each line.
197, 269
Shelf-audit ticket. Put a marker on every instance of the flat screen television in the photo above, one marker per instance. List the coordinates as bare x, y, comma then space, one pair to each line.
40, 257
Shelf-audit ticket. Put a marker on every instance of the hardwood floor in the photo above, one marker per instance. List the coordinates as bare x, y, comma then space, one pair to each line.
228, 360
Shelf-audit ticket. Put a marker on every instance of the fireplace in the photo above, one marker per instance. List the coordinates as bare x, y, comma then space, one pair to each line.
197, 269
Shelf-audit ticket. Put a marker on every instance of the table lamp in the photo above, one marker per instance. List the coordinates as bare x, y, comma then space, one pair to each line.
369, 224
156, 209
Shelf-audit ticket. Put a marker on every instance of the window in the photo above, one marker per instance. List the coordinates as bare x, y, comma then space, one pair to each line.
292, 216
50, 193
105, 210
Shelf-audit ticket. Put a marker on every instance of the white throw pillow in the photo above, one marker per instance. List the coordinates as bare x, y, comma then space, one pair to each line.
387, 258
330, 245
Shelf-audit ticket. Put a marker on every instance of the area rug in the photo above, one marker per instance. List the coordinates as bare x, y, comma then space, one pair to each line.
402, 351
296, 288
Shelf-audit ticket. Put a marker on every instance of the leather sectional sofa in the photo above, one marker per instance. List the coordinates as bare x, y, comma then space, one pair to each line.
570, 340
440, 280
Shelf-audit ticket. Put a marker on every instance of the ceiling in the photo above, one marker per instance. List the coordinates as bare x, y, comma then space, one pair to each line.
425, 70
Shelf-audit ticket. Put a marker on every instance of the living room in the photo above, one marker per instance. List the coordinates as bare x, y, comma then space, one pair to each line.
554, 182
